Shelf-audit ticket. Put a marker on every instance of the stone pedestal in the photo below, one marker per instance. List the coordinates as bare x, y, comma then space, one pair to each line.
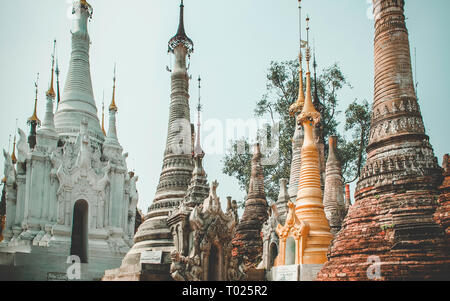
141, 270
285, 273
256, 274
297, 272
308, 272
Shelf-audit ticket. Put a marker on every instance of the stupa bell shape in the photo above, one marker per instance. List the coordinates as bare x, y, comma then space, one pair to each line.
77, 101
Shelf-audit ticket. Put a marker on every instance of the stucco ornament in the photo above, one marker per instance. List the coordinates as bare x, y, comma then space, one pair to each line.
211, 228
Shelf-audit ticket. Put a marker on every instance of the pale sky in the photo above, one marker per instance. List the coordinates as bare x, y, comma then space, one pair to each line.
235, 41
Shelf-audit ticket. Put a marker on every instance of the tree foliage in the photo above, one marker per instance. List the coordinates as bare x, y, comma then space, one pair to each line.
282, 91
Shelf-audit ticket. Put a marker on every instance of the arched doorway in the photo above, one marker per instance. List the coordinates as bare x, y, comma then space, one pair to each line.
79, 242
214, 264
290, 251
273, 253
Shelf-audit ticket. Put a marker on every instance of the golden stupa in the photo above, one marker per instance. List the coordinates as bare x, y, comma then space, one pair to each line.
306, 225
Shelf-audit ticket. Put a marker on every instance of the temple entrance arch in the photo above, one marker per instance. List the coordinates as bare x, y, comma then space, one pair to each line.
290, 251
215, 264
80, 230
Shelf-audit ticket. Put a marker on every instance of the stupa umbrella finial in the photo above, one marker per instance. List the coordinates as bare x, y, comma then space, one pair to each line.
181, 38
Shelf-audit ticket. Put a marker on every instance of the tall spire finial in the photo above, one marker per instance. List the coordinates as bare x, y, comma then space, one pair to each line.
103, 114
51, 92
34, 117
113, 106
300, 25
297, 106
317, 104
308, 49
181, 37
13, 155
309, 112
198, 151
87, 6
58, 94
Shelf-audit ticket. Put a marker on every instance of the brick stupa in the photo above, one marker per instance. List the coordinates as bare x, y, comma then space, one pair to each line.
391, 222
247, 243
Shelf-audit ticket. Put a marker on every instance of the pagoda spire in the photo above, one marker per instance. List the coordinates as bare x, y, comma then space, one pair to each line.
181, 37
13, 154
198, 189
58, 93
178, 162
256, 186
77, 102
34, 121
111, 138
309, 206
316, 100
103, 115
297, 106
198, 151
46, 135
247, 239
50, 94
294, 110
113, 106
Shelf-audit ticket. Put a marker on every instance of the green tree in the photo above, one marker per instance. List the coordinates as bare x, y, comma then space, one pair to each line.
353, 152
282, 91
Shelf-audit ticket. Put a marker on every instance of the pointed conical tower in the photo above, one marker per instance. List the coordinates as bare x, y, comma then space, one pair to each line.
333, 199
34, 121
112, 142
77, 101
247, 240
198, 189
197, 192
177, 164
103, 117
58, 93
46, 135
391, 221
297, 139
309, 207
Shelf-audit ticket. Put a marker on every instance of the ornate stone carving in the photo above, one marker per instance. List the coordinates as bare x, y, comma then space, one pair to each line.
295, 228
210, 228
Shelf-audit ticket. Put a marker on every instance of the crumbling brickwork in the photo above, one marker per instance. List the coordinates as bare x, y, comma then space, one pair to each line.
442, 215
248, 243
397, 193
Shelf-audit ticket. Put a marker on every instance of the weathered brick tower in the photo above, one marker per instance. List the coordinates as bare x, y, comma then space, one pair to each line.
333, 199
391, 223
248, 242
